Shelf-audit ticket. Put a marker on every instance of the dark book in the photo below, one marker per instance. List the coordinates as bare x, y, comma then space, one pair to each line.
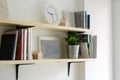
8, 45
19, 51
88, 21
80, 19
84, 38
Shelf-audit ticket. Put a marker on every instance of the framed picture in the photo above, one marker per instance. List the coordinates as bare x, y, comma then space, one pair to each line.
50, 47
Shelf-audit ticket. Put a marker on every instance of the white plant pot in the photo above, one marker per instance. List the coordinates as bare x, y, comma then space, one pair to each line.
72, 51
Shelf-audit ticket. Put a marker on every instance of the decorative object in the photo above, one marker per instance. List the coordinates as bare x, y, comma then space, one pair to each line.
37, 55
50, 13
50, 47
84, 53
73, 46
69, 18
62, 21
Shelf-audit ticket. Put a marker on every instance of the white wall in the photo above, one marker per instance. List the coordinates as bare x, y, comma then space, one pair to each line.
116, 38
28, 10
100, 11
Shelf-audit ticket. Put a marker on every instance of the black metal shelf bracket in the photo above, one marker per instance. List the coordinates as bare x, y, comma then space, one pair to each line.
17, 69
69, 65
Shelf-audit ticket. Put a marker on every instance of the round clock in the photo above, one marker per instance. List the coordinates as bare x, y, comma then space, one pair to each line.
51, 13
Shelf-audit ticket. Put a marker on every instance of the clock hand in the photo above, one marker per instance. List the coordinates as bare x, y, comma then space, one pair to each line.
50, 13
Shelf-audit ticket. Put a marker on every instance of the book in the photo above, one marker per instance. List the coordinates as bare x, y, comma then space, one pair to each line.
8, 45
19, 51
27, 41
84, 38
80, 19
93, 47
91, 41
88, 21
25, 44
94, 38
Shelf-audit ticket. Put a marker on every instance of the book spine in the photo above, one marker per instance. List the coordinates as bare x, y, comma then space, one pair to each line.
94, 46
19, 52
25, 45
88, 21
80, 19
29, 43
15, 45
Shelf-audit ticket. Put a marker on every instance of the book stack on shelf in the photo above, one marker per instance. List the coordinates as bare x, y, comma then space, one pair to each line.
16, 44
79, 19
88, 44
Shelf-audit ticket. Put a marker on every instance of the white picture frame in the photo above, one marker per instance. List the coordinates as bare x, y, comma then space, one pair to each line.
50, 47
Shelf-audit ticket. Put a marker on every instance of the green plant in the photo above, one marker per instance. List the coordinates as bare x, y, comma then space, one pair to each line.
72, 38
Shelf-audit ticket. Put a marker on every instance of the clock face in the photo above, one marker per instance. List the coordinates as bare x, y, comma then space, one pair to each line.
51, 14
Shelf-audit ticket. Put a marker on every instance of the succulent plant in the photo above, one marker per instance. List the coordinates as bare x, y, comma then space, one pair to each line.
72, 38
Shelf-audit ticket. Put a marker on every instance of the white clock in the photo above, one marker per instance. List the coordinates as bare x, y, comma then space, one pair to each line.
51, 14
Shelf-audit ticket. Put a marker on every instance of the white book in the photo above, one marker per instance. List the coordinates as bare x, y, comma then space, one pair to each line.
29, 44
94, 38
25, 45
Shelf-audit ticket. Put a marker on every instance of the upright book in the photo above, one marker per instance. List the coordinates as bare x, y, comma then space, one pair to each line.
8, 45
81, 19
19, 51
24, 50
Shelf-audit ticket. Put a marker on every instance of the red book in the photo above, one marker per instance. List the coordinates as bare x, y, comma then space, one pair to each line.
19, 51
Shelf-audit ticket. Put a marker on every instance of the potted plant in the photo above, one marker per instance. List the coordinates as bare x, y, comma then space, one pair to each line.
72, 45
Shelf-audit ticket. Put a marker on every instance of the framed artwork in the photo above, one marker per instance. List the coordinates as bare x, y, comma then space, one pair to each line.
50, 47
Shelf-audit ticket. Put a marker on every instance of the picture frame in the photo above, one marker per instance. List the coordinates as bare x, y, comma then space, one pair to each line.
50, 47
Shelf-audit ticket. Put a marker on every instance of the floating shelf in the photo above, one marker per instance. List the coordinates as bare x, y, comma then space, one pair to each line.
42, 60
42, 26
46, 27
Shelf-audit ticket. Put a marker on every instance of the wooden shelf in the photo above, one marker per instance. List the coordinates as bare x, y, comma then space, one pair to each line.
8, 62
42, 26
47, 27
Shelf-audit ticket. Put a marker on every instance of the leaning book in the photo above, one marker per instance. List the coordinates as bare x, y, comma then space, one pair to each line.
8, 45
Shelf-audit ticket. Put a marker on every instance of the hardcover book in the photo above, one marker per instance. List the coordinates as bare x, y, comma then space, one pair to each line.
80, 19
19, 51
8, 45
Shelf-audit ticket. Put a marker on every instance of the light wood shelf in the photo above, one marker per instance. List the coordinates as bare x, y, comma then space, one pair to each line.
9, 62
41, 26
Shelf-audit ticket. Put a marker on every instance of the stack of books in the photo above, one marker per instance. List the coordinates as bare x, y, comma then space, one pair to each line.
88, 46
16, 44
79, 19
